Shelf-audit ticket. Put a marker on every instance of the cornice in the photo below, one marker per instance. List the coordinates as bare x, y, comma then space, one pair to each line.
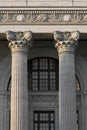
43, 16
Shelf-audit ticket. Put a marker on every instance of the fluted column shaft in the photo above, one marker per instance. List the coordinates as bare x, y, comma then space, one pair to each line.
19, 87
65, 45
19, 92
67, 94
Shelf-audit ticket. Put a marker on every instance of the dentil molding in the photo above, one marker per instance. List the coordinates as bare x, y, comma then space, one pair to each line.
43, 17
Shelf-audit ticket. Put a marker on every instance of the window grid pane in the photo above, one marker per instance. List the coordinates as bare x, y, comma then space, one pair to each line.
44, 117
44, 75
35, 81
36, 116
35, 64
35, 85
43, 64
36, 126
52, 126
44, 120
52, 64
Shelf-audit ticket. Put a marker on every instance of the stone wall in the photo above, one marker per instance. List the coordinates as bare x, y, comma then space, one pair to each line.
43, 3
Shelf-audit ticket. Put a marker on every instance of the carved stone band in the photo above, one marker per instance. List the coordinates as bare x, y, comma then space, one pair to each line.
19, 41
66, 41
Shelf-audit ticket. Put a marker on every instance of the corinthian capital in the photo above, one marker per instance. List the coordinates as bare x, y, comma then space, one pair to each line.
66, 41
19, 40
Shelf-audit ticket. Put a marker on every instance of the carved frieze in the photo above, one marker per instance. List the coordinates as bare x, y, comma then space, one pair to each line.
33, 17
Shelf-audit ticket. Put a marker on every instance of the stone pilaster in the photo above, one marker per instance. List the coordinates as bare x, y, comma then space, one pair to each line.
18, 44
66, 43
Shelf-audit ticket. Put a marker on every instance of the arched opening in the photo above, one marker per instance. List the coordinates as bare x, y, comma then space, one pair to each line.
78, 87
43, 75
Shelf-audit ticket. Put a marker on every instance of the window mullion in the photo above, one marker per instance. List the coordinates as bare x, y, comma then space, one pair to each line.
38, 74
56, 76
49, 74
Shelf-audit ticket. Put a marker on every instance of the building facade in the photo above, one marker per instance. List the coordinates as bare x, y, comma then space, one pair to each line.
43, 65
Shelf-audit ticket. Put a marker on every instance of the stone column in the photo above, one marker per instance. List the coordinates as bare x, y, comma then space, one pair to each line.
66, 44
18, 44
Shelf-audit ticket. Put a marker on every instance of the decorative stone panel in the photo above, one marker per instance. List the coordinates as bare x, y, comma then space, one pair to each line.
44, 17
44, 101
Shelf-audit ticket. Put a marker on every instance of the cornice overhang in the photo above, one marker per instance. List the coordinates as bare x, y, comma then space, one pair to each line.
44, 16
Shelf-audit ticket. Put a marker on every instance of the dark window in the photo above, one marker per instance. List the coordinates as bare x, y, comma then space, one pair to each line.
77, 119
43, 74
44, 120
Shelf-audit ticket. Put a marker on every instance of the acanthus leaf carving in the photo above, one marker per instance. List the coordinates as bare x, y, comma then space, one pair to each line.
19, 40
57, 17
66, 41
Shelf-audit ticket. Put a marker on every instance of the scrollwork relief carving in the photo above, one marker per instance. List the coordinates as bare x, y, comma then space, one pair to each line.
43, 17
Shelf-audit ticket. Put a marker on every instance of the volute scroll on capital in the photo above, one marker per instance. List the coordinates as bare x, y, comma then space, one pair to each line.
66, 41
19, 40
